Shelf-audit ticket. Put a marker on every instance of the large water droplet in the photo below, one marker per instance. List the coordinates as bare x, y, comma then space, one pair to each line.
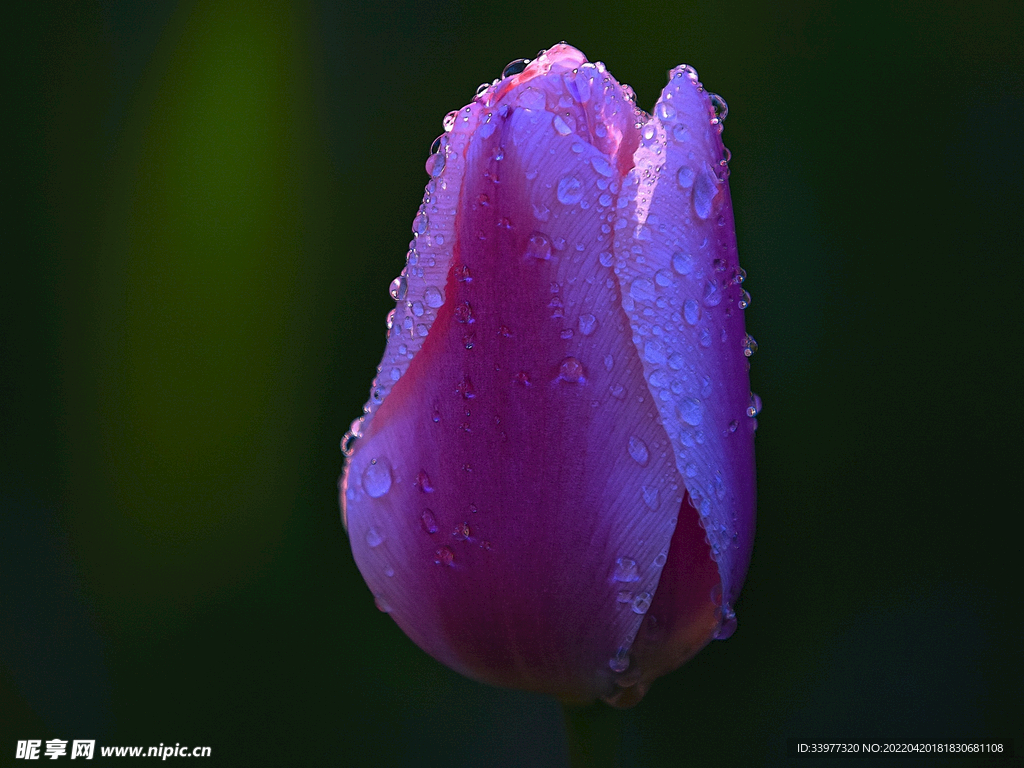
601, 165
377, 478
625, 570
691, 311
682, 262
374, 538
398, 288
638, 450
571, 371
444, 556
433, 296
690, 411
514, 67
705, 187
665, 111
642, 289
420, 223
428, 521
570, 190
641, 603
538, 246
685, 176
720, 107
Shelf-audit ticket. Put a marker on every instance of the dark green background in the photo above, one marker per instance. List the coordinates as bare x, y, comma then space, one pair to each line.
205, 205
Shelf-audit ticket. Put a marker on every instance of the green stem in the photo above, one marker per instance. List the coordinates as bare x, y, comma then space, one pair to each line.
594, 734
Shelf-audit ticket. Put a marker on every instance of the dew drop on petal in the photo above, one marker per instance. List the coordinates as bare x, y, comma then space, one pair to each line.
641, 603
428, 521
625, 570
691, 311
399, 288
682, 262
690, 411
538, 246
587, 324
650, 494
377, 478
373, 537
571, 370
433, 297
570, 190
444, 556
638, 450
620, 661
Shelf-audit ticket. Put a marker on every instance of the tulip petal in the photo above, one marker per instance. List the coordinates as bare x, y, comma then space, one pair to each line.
551, 399
512, 499
676, 249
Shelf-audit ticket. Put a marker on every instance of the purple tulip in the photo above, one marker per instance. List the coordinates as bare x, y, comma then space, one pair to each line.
552, 486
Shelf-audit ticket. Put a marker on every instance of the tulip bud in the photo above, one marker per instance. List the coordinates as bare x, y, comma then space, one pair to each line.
552, 486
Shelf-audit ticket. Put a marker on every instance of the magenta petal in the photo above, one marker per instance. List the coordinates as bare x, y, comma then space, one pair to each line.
515, 489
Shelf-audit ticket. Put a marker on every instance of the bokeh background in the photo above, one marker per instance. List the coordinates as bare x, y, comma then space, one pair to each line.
206, 203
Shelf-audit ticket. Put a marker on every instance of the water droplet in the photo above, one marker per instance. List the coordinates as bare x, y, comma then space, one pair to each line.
685, 176
749, 345
601, 165
641, 603
705, 188
347, 443
691, 311
465, 387
433, 297
605, 258
620, 661
538, 246
625, 570
624, 597
514, 67
420, 223
659, 559
463, 313
522, 378
720, 107
680, 133
663, 278
449, 120
417, 308
739, 275
531, 98
444, 556
744, 300
609, 362
566, 333
665, 111
682, 262
690, 411
571, 371
423, 482
570, 190
642, 289
587, 324
561, 126
650, 494
398, 288
374, 538
461, 531
638, 450
377, 478
428, 522
728, 625
382, 605
435, 164
654, 352
691, 469
733, 426
755, 406
712, 296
